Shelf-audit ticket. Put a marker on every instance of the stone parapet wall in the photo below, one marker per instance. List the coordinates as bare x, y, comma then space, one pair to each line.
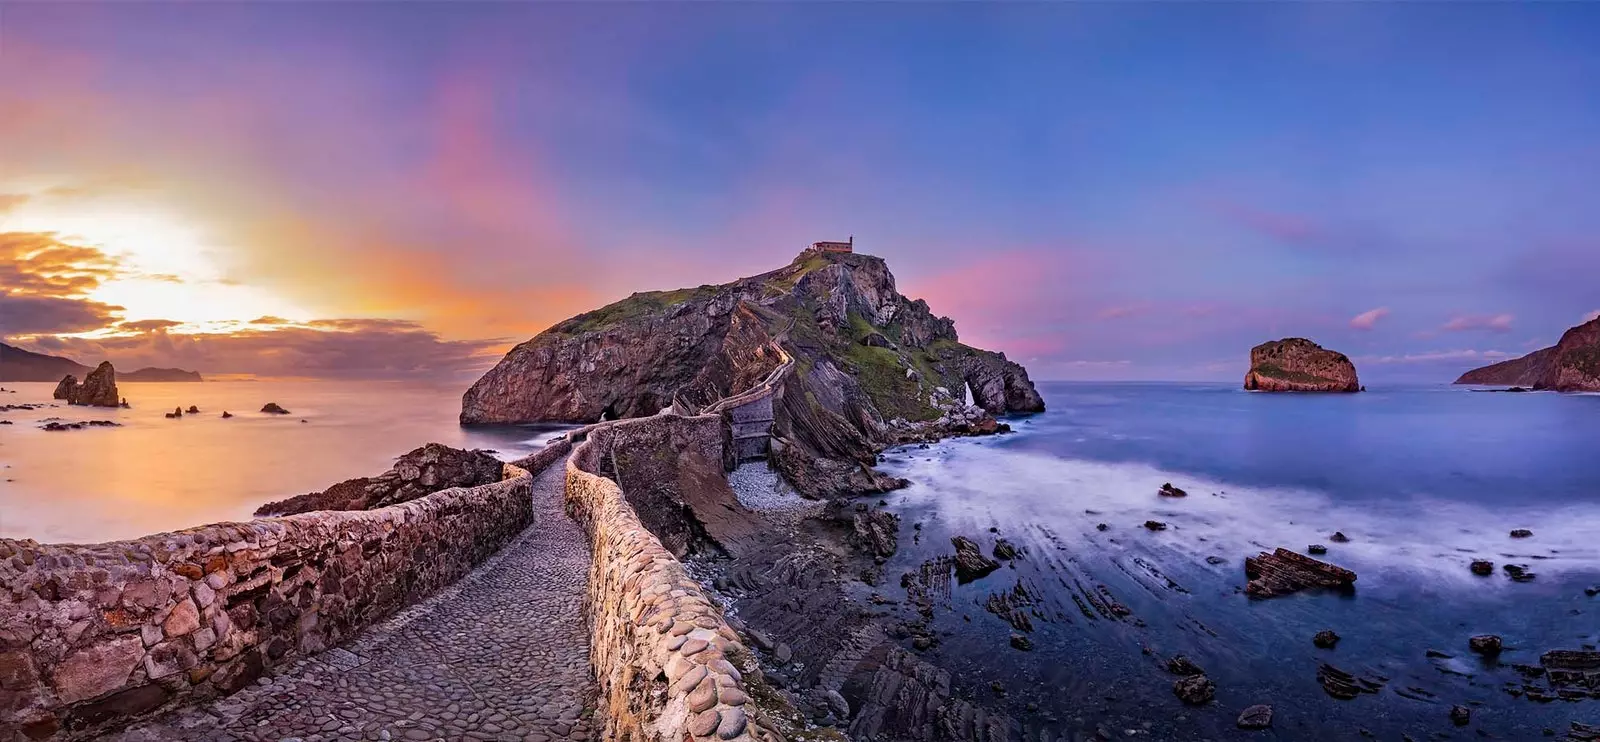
92, 636
668, 665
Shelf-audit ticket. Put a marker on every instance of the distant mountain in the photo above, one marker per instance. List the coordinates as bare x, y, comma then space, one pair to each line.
1571, 365
160, 374
17, 364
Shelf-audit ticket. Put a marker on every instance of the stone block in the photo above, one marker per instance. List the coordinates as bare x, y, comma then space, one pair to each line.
97, 669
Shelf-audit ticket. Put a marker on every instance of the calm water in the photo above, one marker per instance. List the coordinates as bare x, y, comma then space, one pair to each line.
154, 474
1421, 479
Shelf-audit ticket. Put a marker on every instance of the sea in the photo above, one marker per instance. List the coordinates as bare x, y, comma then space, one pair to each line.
1420, 479
154, 474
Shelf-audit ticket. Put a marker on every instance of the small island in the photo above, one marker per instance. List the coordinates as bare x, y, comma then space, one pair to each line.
1571, 365
1299, 365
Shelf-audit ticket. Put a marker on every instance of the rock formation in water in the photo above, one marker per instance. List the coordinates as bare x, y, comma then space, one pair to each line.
99, 388
872, 367
421, 472
1571, 365
1299, 365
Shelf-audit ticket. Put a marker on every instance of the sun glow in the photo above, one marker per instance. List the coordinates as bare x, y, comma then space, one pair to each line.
168, 267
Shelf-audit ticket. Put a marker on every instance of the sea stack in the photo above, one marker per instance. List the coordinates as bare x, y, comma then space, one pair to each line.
1299, 365
99, 388
1572, 365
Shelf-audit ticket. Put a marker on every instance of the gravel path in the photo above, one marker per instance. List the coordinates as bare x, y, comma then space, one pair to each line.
501, 655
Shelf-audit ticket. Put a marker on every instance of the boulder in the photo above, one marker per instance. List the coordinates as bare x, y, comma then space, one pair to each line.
1482, 567
876, 532
1195, 690
1317, 549
1460, 715
970, 563
193, 410
1325, 639
272, 408
1521, 533
1338, 537
1487, 645
1299, 365
1155, 525
1167, 490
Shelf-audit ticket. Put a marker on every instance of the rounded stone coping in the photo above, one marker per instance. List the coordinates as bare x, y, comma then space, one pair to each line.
650, 620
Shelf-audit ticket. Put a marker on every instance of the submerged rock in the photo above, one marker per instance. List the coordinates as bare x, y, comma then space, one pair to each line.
272, 408
1325, 639
1155, 525
1482, 567
1521, 533
226, 414
1338, 537
1167, 490
1299, 365
1004, 550
1460, 715
1182, 665
1022, 642
1258, 716
1318, 549
193, 410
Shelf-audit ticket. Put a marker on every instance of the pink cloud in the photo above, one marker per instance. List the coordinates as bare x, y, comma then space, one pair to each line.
1492, 323
1279, 225
1118, 312
1368, 319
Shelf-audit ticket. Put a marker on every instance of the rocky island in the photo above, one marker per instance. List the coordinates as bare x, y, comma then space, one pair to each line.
1571, 365
1299, 365
871, 368
99, 388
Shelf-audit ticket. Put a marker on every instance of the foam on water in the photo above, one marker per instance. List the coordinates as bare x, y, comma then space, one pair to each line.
976, 484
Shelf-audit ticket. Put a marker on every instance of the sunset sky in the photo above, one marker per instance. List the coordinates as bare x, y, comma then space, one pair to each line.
1101, 190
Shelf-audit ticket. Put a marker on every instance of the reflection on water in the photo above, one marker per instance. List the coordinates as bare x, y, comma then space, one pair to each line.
156, 474
1422, 482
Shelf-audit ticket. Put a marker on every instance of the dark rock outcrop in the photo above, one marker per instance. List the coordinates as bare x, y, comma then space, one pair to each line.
421, 472
876, 531
67, 389
1485, 644
1299, 365
272, 408
1571, 365
1282, 572
99, 388
871, 368
1325, 639
1195, 690
971, 564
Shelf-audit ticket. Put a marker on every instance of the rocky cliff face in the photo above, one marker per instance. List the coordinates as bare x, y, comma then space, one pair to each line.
1571, 365
1299, 365
99, 388
872, 367
1524, 371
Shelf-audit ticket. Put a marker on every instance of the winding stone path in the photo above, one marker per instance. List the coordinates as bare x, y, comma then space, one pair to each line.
501, 655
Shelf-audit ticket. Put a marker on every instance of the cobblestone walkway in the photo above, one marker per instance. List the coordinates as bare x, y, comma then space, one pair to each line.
501, 655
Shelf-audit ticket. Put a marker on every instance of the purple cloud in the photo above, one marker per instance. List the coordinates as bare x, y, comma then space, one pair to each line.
1492, 323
